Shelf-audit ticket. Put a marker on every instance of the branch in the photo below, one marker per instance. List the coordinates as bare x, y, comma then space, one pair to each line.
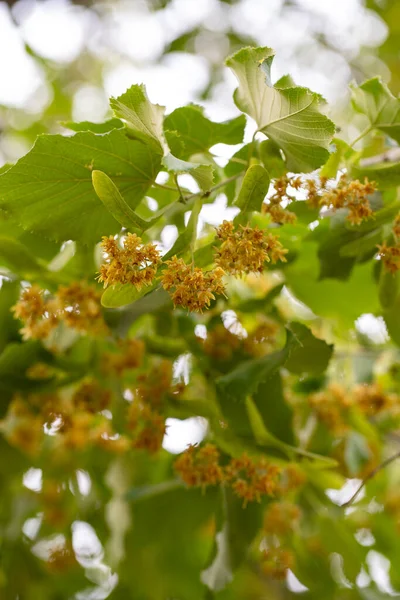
372, 474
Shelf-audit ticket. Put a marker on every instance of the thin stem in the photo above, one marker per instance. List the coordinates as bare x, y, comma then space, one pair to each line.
178, 187
215, 187
165, 187
372, 474
362, 134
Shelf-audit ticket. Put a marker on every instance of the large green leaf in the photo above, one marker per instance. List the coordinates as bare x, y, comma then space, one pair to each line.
198, 134
287, 114
374, 100
50, 190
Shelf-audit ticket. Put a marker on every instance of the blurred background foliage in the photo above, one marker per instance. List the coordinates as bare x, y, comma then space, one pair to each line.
60, 61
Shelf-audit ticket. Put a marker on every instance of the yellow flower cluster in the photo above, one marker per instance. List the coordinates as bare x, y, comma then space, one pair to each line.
332, 405
390, 254
276, 561
62, 558
281, 195
77, 305
127, 355
191, 287
281, 518
147, 427
246, 249
248, 477
352, 195
221, 344
200, 466
136, 263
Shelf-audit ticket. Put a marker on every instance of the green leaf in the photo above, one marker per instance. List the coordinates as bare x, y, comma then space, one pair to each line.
94, 127
254, 189
271, 158
15, 256
9, 293
203, 174
239, 528
374, 100
356, 452
198, 134
392, 320
245, 379
15, 359
144, 120
289, 116
385, 175
110, 196
274, 410
388, 287
50, 190
331, 298
310, 355
332, 165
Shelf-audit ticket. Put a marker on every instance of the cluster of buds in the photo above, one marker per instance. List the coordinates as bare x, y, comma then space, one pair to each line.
191, 287
77, 305
246, 249
136, 263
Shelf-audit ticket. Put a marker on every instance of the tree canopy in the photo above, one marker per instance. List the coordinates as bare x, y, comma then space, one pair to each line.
274, 333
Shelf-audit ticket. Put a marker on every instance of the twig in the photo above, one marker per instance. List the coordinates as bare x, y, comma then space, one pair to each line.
214, 188
372, 474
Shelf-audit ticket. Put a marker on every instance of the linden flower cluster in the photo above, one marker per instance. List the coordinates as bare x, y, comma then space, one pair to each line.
246, 249
191, 287
249, 478
276, 562
147, 427
77, 305
274, 207
221, 344
332, 405
352, 195
390, 254
281, 518
128, 355
135, 263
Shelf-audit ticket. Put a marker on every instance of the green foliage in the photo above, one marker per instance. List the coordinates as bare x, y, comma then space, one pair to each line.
293, 364
286, 113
